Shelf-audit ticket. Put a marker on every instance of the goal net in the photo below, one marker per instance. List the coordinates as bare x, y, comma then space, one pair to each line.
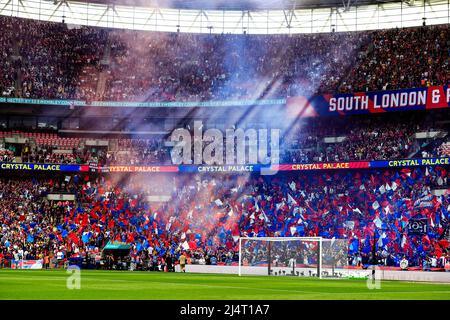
293, 256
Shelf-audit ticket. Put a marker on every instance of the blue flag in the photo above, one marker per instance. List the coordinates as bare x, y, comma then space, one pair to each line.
354, 246
85, 238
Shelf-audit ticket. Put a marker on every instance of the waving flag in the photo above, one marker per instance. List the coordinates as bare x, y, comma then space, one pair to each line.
354, 246
73, 237
85, 238
375, 205
292, 185
291, 201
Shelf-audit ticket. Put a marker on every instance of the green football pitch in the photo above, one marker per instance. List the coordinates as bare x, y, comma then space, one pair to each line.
52, 284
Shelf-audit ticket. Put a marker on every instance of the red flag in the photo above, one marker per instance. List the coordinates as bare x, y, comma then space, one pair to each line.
438, 250
73, 237
444, 243
130, 237
94, 214
192, 245
85, 220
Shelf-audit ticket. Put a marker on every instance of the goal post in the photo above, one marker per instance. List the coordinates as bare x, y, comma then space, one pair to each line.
292, 256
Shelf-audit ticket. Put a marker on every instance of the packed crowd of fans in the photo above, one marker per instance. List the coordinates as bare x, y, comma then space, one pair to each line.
47, 154
47, 58
51, 61
7, 155
352, 139
444, 150
139, 152
205, 215
364, 139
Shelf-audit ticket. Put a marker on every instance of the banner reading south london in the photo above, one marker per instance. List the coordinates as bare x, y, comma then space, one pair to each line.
435, 97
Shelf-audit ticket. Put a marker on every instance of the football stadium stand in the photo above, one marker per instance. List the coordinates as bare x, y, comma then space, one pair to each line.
349, 167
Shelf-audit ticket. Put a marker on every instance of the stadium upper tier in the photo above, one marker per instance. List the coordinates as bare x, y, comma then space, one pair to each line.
46, 60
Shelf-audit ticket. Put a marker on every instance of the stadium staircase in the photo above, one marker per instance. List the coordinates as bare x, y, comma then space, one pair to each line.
95, 77
101, 85
16, 57
88, 79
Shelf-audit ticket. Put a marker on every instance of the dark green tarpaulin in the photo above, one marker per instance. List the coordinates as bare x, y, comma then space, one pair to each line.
116, 245
117, 249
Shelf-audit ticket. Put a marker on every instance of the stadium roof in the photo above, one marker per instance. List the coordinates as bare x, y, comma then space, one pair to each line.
241, 4
169, 16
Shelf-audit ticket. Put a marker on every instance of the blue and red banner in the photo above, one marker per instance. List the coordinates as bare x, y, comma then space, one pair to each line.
43, 167
26, 264
400, 163
435, 97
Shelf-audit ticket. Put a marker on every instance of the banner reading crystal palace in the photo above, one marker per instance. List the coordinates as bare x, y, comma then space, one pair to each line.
395, 163
371, 102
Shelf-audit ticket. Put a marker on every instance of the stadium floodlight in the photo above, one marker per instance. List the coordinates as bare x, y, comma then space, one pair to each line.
293, 256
